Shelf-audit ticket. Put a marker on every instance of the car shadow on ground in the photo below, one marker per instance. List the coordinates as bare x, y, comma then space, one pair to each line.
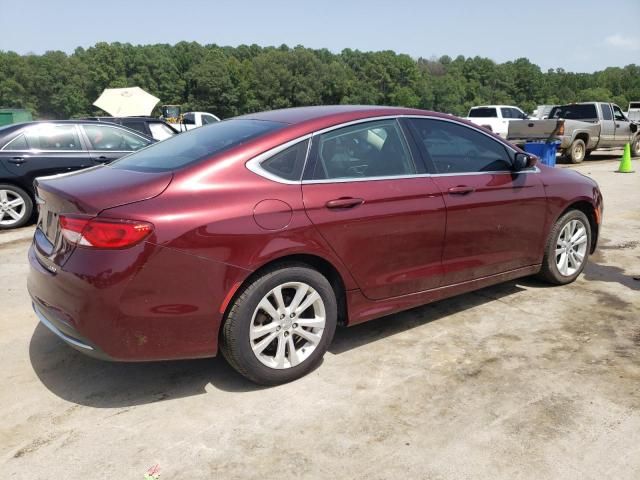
77, 378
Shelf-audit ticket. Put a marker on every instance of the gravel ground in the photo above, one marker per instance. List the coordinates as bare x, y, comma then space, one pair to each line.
520, 380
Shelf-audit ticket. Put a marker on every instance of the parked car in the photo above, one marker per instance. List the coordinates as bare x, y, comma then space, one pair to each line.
256, 236
150, 126
580, 128
633, 112
34, 149
495, 118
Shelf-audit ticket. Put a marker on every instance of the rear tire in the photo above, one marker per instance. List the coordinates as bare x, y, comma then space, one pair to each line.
567, 249
16, 207
280, 326
577, 151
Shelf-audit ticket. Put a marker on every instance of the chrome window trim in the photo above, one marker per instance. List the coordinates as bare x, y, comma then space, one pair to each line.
254, 163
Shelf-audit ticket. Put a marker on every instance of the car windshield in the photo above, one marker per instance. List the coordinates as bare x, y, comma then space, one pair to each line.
195, 145
575, 112
483, 112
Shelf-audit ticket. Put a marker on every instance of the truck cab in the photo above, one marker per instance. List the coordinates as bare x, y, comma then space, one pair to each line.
495, 118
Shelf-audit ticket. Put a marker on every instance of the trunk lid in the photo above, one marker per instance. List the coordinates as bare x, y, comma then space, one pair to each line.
87, 192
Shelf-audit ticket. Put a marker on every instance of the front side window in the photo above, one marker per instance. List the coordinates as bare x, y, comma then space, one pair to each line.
207, 119
138, 126
160, 131
618, 115
483, 112
18, 143
506, 113
519, 114
372, 149
606, 111
48, 136
455, 148
113, 139
289, 163
196, 145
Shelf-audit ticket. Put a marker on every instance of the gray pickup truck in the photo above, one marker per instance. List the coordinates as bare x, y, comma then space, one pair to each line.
580, 128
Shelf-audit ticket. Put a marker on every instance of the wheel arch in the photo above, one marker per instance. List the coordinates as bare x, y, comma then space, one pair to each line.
316, 262
584, 136
589, 210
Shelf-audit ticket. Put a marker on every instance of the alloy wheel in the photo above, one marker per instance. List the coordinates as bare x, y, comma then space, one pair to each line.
12, 207
287, 325
571, 247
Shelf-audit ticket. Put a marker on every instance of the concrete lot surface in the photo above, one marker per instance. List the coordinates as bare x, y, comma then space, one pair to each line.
516, 381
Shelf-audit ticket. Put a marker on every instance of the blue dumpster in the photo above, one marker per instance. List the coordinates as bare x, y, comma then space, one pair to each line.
545, 151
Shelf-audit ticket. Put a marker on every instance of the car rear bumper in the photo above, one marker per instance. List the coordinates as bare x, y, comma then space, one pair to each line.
140, 304
67, 333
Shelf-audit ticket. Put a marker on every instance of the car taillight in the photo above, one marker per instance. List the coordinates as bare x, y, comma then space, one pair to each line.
103, 233
560, 128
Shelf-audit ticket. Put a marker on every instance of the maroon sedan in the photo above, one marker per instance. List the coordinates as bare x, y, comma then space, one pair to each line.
261, 233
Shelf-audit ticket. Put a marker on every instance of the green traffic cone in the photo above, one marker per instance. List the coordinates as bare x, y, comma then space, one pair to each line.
625, 161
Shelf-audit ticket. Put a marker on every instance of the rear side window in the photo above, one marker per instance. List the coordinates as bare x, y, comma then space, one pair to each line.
575, 112
483, 112
454, 148
289, 163
53, 137
506, 113
195, 145
606, 111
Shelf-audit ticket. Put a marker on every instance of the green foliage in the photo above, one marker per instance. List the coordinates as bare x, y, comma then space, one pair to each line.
230, 81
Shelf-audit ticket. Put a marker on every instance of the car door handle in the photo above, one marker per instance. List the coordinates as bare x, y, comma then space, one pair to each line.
461, 190
344, 203
17, 160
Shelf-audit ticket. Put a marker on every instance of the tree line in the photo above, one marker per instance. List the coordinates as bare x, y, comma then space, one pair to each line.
228, 81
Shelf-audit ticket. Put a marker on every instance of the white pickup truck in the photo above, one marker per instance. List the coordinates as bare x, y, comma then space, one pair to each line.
495, 117
191, 120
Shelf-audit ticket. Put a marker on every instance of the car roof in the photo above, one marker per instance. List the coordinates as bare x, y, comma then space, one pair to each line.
325, 116
496, 106
20, 125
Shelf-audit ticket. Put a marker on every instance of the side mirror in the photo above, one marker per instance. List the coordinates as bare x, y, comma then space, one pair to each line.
633, 127
523, 161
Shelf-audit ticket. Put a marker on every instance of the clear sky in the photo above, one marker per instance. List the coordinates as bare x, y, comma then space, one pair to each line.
576, 35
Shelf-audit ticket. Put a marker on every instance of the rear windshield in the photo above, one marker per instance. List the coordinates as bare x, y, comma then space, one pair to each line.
195, 145
634, 105
575, 112
483, 112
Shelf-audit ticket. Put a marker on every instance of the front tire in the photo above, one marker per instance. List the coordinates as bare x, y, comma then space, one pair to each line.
280, 326
16, 207
577, 151
567, 248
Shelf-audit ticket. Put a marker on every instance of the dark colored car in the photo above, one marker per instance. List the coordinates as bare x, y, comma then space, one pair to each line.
150, 126
35, 149
258, 235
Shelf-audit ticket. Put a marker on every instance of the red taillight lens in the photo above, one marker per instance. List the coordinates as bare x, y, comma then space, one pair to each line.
103, 233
